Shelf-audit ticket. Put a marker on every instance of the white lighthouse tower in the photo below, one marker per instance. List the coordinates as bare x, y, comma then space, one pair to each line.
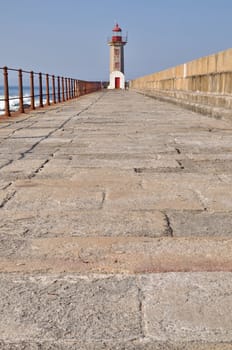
116, 43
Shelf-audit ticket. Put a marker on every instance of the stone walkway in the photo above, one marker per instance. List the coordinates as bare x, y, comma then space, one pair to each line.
115, 227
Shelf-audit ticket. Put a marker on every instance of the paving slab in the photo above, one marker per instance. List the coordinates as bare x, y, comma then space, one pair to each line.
201, 223
107, 160
83, 223
21, 168
69, 307
34, 132
114, 254
188, 307
47, 194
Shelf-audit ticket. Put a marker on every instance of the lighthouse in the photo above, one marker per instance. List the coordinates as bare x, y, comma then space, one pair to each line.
117, 43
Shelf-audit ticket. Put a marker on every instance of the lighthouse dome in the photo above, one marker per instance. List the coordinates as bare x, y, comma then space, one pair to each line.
117, 28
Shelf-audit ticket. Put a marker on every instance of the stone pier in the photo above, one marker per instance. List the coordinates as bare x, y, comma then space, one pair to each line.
115, 227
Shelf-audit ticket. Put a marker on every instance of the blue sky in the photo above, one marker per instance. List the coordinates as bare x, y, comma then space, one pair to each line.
69, 37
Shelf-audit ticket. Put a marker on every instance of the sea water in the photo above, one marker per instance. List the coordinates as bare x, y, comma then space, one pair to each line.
14, 98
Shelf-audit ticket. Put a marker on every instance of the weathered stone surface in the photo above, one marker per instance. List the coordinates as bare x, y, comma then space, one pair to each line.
180, 311
34, 132
87, 223
68, 308
22, 169
108, 160
205, 166
201, 224
188, 307
141, 344
133, 255
47, 194
157, 192
119, 185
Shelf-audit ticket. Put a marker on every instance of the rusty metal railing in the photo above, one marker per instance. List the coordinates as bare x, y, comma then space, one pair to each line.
49, 89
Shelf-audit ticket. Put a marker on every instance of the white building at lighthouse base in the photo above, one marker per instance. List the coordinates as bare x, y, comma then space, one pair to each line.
117, 80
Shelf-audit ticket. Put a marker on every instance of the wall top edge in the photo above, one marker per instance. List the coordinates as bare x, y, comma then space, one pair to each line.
214, 63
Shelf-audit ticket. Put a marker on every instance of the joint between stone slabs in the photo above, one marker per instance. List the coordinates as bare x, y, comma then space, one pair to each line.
180, 164
42, 166
7, 186
103, 199
178, 150
90, 105
169, 229
8, 197
141, 299
6, 164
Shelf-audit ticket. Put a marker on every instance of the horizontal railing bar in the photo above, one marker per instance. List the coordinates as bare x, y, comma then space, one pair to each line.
23, 71
44, 74
28, 72
26, 96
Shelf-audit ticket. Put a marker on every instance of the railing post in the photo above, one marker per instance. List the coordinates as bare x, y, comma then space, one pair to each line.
47, 90
53, 89
69, 88
72, 86
32, 93
75, 88
6, 92
20, 82
62, 80
58, 87
40, 90
66, 88
68, 91
71, 91
78, 88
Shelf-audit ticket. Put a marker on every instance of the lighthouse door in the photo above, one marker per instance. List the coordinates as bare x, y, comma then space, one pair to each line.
117, 83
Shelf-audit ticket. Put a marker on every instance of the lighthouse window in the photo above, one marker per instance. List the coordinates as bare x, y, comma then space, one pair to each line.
116, 52
116, 66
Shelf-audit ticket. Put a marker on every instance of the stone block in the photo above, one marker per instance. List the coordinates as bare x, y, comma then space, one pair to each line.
84, 223
68, 308
201, 224
193, 307
46, 194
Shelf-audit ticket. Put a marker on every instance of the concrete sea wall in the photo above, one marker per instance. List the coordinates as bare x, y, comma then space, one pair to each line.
203, 85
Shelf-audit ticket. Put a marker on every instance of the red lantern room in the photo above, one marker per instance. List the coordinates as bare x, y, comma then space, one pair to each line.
117, 34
